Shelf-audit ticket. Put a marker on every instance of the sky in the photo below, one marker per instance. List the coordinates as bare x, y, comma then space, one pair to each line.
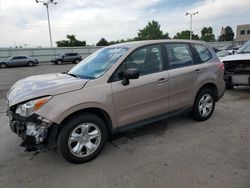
24, 22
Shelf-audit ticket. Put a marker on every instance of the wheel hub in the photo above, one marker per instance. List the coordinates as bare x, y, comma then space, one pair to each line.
205, 105
84, 139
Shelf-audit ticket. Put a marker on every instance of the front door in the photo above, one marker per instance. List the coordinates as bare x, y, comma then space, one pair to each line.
147, 96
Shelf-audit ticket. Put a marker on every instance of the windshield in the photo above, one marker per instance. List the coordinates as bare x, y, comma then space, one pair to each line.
98, 63
245, 48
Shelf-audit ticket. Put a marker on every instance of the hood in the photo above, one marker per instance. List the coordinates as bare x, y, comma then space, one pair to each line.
245, 56
43, 85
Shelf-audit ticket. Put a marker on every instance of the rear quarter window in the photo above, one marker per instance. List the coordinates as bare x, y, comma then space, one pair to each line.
203, 52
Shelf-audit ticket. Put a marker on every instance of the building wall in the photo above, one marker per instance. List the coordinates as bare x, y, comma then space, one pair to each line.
243, 32
45, 54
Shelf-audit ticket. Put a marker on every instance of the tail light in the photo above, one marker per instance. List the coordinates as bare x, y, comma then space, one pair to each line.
221, 66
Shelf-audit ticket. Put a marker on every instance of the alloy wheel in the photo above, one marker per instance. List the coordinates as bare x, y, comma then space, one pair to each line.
84, 139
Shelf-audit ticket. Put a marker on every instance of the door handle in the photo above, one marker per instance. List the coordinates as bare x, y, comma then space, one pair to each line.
162, 80
197, 71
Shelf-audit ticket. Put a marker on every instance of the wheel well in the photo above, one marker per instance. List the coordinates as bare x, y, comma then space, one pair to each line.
211, 86
97, 111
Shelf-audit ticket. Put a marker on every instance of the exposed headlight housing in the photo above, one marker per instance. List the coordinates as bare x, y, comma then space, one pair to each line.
30, 107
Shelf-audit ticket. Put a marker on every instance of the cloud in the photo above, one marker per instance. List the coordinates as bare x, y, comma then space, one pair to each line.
25, 22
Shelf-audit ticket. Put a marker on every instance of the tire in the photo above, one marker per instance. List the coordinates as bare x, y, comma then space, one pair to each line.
229, 86
3, 65
204, 105
59, 62
77, 61
30, 64
76, 145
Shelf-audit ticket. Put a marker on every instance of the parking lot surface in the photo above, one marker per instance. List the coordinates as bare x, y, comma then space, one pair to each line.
178, 152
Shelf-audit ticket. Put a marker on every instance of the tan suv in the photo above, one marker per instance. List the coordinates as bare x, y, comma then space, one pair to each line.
118, 87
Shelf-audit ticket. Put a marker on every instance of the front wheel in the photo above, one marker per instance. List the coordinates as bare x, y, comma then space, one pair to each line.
204, 105
77, 61
59, 62
30, 64
82, 138
3, 65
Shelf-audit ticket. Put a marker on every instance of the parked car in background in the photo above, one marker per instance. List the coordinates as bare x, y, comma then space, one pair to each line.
67, 57
116, 88
16, 61
237, 67
228, 50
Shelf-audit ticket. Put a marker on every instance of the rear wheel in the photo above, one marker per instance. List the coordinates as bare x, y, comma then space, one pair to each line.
82, 138
3, 65
204, 105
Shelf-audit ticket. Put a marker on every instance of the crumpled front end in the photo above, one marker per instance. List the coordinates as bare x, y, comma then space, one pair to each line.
34, 130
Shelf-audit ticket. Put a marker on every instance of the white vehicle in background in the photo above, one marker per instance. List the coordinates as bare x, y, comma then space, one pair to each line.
237, 67
228, 50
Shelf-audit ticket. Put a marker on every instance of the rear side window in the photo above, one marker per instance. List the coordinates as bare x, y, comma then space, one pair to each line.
203, 52
179, 55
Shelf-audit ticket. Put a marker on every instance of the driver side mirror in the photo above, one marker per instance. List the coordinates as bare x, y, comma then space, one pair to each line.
129, 74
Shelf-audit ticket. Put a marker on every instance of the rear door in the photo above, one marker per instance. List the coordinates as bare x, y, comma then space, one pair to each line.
147, 96
183, 73
23, 60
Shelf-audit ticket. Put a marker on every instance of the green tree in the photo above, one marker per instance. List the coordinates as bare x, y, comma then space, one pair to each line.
150, 32
102, 42
70, 41
186, 35
207, 34
121, 41
227, 34
166, 36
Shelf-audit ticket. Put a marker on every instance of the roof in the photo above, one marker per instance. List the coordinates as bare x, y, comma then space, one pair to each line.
135, 44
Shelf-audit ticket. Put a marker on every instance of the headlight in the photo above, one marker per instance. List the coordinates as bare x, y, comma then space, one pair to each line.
30, 107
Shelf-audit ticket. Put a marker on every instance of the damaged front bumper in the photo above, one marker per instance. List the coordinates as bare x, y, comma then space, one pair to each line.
33, 130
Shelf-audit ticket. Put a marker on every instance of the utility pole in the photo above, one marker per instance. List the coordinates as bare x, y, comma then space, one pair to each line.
46, 4
191, 22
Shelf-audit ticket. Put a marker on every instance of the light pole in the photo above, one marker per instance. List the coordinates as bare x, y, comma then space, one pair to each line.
191, 22
46, 4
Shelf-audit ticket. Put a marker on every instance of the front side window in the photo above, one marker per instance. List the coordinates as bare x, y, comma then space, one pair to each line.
179, 55
203, 52
147, 60
98, 63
